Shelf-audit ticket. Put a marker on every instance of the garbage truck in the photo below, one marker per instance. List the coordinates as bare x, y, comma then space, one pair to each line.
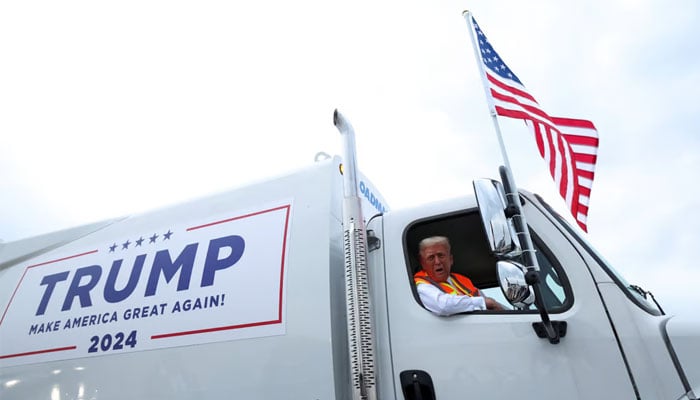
302, 287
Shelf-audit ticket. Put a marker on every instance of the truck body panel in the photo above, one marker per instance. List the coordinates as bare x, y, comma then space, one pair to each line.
250, 354
639, 332
682, 333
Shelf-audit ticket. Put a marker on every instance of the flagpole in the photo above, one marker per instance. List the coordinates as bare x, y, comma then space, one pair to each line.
514, 207
489, 100
513, 204
506, 173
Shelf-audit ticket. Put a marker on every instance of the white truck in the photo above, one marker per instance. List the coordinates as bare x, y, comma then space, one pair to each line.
282, 290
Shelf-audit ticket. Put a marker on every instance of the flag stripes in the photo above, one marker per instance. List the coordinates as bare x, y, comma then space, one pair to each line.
568, 146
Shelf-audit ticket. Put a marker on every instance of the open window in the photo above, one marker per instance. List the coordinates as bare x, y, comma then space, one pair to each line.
472, 258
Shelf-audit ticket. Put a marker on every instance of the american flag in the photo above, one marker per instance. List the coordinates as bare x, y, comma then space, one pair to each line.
569, 146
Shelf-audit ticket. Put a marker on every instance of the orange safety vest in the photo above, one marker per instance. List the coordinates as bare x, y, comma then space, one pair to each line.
461, 285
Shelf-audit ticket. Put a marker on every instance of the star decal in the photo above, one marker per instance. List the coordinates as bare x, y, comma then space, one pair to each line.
141, 241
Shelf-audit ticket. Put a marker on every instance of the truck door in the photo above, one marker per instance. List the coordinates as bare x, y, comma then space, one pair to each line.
497, 354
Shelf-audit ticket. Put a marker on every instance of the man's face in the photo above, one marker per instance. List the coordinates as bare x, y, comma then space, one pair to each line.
436, 260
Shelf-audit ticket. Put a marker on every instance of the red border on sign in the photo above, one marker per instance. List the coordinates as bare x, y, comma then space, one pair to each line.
31, 353
279, 305
37, 265
287, 208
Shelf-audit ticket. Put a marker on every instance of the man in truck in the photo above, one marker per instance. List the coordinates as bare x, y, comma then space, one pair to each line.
442, 291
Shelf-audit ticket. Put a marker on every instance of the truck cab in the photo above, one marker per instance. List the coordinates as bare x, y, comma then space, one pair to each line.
616, 343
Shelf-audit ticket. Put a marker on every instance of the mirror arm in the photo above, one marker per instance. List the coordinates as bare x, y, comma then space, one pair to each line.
551, 331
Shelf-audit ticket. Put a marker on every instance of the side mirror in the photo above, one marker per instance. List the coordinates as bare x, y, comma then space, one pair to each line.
511, 277
490, 198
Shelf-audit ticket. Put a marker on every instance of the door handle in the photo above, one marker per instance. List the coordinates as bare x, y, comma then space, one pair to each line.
417, 385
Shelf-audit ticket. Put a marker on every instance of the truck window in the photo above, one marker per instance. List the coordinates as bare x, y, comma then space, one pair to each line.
473, 259
628, 289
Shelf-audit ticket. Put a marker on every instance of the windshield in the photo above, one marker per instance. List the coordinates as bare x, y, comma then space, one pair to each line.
632, 292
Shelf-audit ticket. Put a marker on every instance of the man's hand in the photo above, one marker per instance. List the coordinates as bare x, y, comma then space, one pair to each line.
492, 304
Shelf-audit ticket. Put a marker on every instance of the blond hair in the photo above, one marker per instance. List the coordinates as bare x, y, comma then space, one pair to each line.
433, 240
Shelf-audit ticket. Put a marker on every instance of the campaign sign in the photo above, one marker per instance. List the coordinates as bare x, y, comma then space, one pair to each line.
182, 284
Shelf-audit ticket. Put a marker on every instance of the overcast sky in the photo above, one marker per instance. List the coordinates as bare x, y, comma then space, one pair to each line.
115, 108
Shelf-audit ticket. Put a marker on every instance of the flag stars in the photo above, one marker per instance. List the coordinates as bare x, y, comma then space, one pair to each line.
125, 245
112, 248
166, 236
139, 241
490, 58
153, 238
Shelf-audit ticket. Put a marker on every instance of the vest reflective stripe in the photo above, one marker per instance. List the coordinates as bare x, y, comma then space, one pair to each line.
459, 284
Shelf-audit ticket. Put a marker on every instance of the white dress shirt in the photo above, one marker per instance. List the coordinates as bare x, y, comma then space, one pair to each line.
445, 304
